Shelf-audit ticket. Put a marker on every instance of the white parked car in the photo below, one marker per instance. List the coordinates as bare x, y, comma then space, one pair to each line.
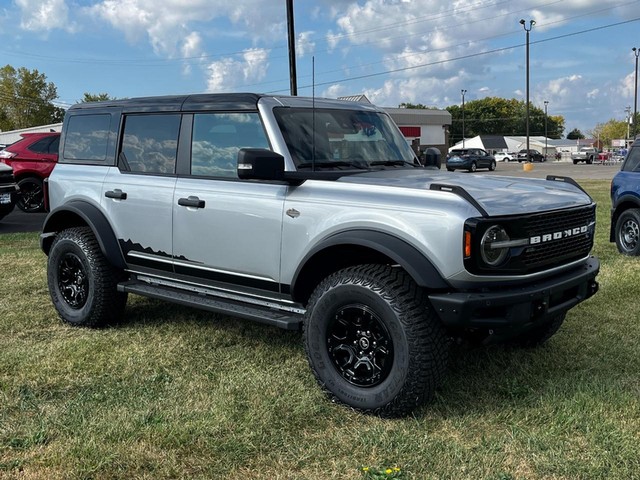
504, 156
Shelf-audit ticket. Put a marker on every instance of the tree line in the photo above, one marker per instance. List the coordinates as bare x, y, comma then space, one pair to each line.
27, 99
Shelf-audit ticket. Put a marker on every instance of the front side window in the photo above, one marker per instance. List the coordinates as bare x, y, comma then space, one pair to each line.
150, 143
342, 139
632, 163
217, 138
87, 137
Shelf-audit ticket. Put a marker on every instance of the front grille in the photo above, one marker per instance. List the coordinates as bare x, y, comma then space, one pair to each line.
552, 239
6, 178
564, 249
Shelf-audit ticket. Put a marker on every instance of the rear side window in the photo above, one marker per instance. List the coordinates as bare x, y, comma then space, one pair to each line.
87, 137
632, 163
217, 137
45, 145
150, 143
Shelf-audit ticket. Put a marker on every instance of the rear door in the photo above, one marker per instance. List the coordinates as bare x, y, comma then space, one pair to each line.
137, 194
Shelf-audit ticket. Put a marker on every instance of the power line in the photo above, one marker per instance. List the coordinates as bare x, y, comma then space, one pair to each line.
464, 57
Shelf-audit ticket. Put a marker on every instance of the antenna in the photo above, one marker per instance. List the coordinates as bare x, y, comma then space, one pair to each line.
313, 113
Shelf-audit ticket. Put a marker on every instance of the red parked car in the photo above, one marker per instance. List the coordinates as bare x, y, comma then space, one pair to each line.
32, 160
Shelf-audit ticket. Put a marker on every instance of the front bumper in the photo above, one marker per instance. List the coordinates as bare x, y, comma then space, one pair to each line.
518, 307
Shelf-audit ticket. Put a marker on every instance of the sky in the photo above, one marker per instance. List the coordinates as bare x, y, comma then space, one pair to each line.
393, 51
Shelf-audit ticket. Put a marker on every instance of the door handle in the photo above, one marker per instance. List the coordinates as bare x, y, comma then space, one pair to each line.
191, 202
117, 194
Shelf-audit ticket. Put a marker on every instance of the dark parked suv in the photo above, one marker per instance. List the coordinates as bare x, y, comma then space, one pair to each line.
32, 159
534, 156
8, 190
625, 204
470, 159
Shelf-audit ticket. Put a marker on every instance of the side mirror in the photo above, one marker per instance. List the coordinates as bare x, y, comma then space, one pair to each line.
260, 164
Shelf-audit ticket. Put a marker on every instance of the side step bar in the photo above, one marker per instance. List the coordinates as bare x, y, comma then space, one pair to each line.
269, 316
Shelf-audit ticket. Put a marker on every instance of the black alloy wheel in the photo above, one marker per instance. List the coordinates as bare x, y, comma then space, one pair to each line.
73, 281
360, 346
31, 196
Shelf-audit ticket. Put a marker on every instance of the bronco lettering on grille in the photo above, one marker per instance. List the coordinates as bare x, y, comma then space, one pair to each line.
549, 237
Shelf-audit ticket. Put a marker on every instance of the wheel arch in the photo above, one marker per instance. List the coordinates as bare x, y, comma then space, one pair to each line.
77, 214
29, 173
624, 203
357, 247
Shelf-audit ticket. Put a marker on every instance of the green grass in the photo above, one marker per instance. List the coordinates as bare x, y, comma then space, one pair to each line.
176, 393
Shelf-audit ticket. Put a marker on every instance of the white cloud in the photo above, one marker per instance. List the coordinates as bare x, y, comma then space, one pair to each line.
166, 23
191, 47
228, 74
305, 44
44, 15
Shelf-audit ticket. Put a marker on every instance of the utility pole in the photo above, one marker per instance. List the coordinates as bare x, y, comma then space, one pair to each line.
463, 92
546, 103
524, 25
292, 49
628, 112
636, 52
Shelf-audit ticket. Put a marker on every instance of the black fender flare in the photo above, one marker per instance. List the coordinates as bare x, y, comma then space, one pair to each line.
76, 213
407, 256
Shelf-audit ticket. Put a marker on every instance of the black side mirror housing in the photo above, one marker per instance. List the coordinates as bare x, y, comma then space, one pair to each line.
260, 164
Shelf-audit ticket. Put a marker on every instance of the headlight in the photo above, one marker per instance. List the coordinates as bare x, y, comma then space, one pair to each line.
492, 246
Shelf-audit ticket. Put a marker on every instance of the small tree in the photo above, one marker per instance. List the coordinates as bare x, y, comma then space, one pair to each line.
575, 134
26, 99
96, 97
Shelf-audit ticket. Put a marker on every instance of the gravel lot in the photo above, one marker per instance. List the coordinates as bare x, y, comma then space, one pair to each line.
581, 171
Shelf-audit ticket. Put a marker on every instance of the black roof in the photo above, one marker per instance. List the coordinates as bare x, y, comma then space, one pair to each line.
196, 102
493, 142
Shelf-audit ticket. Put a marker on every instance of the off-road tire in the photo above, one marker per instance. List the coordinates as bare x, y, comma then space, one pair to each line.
627, 232
412, 350
82, 283
538, 335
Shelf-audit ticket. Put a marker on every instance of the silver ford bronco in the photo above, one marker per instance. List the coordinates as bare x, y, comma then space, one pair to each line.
310, 214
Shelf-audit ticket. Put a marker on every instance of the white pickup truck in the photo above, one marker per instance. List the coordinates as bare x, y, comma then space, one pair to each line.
585, 154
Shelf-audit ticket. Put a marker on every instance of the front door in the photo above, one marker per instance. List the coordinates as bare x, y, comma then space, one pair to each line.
227, 232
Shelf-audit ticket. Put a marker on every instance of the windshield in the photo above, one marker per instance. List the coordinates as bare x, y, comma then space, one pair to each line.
343, 139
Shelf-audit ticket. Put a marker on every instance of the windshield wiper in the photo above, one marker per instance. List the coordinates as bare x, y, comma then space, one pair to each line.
392, 163
338, 163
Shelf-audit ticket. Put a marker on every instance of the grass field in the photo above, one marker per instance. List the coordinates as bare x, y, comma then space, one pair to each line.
175, 393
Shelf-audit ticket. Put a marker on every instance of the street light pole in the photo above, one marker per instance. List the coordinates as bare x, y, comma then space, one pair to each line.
463, 92
546, 103
628, 112
524, 25
636, 52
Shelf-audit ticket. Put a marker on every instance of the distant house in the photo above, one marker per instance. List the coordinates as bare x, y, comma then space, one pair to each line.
423, 128
12, 136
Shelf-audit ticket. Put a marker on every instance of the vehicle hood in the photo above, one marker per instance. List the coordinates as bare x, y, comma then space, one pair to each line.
497, 195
